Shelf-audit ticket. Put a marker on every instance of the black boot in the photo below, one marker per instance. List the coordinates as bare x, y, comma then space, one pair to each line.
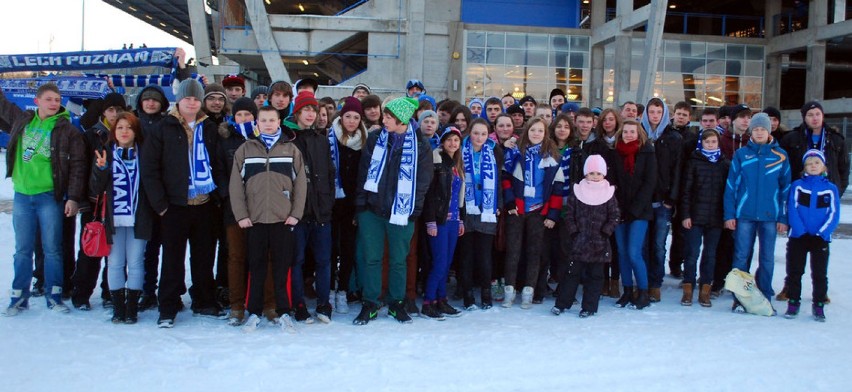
626, 298
642, 301
485, 295
148, 301
118, 310
470, 300
132, 306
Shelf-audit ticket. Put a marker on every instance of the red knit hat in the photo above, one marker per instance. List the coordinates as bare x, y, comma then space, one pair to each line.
234, 80
305, 98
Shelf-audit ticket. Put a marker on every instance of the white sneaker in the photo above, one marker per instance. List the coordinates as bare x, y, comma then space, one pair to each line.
341, 305
285, 322
526, 297
251, 324
508, 296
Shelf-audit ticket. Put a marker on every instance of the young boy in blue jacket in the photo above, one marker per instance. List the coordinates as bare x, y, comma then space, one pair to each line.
755, 201
814, 212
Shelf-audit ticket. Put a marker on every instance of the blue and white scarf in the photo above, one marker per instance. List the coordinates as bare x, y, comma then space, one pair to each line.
565, 165
487, 171
247, 129
125, 191
200, 173
529, 170
810, 141
335, 158
711, 155
270, 140
403, 205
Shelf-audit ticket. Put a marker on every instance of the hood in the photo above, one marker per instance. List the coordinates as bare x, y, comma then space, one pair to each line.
50, 122
163, 101
653, 134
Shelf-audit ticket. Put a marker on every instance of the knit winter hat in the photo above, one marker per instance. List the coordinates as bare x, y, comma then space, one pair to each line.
450, 130
154, 94
516, 108
772, 112
305, 98
429, 98
214, 89
570, 107
259, 90
351, 104
403, 108
307, 82
594, 163
735, 110
813, 153
244, 103
526, 99
113, 100
426, 114
811, 105
760, 120
361, 86
556, 92
189, 88
234, 80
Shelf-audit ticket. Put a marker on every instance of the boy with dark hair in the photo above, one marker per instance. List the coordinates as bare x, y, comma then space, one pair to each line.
445, 109
629, 111
394, 176
493, 108
46, 160
529, 104
710, 119
235, 87
680, 124
372, 106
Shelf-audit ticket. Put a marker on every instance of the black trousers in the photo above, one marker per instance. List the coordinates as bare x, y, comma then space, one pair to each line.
612, 270
524, 234
475, 261
725, 259
590, 275
550, 259
222, 249
88, 268
797, 252
269, 243
179, 225
677, 252
343, 234
152, 257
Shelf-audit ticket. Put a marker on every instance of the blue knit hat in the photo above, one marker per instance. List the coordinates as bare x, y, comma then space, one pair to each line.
813, 153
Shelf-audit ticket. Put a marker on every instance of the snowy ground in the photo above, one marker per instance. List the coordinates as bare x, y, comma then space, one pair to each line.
664, 347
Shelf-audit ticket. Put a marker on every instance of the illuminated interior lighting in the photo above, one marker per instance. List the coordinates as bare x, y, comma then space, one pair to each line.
305, 62
301, 7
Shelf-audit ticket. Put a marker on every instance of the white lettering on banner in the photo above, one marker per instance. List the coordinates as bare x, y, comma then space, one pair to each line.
121, 204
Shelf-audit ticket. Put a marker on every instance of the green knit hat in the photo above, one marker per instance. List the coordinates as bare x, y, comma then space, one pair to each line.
403, 108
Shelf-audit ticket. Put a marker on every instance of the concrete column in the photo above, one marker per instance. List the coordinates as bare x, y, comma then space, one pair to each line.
815, 80
653, 43
622, 59
596, 62
772, 73
839, 14
455, 87
817, 13
265, 40
200, 39
415, 43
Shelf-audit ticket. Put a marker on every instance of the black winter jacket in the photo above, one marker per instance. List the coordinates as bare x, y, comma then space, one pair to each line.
635, 191
702, 199
67, 148
229, 141
102, 181
381, 202
836, 157
669, 150
149, 121
595, 147
590, 228
437, 205
165, 164
95, 138
349, 161
316, 153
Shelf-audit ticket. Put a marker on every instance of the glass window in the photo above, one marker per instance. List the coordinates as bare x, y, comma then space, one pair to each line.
754, 52
495, 56
579, 60
496, 40
537, 57
580, 43
559, 59
515, 57
733, 67
516, 41
715, 51
736, 52
559, 42
751, 85
754, 68
475, 38
475, 55
537, 42
715, 67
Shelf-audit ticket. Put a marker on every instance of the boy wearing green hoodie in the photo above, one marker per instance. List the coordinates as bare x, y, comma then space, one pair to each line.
46, 160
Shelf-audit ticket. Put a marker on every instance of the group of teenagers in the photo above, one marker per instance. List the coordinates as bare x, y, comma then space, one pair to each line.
378, 201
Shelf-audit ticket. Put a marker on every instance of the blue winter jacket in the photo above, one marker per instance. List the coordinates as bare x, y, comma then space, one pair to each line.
813, 207
758, 183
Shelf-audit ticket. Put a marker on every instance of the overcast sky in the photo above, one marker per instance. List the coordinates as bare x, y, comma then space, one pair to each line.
41, 26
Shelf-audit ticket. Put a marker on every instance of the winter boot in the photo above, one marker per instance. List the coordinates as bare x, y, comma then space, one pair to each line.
686, 300
469, 302
446, 309
654, 294
497, 290
508, 296
303, 315
17, 303
54, 300
131, 317
148, 301
586, 313
368, 313
626, 298
411, 307
324, 313
397, 311
793, 308
526, 297
818, 311
119, 309
236, 317
605, 290
614, 289
341, 304
704, 296
782, 295
485, 296
643, 300
430, 311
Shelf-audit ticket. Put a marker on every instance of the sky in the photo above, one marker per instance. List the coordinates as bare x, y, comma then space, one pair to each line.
106, 28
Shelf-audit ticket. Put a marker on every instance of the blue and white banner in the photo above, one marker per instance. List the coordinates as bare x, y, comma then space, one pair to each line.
89, 60
119, 80
70, 87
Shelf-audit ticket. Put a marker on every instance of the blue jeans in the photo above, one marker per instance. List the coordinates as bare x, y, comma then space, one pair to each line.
744, 238
630, 236
443, 245
711, 236
31, 213
318, 237
657, 264
127, 252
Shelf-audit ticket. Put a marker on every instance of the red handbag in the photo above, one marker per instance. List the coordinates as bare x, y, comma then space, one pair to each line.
94, 237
